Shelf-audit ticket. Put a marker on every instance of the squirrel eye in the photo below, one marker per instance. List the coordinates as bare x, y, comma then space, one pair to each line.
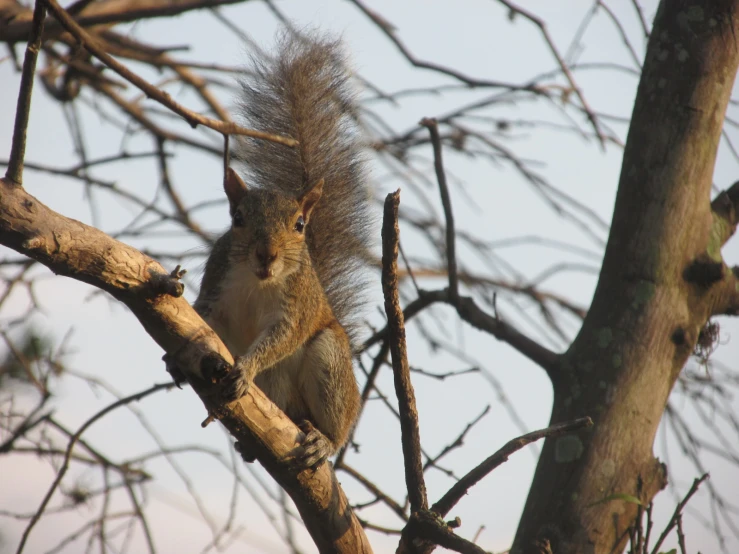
300, 224
238, 220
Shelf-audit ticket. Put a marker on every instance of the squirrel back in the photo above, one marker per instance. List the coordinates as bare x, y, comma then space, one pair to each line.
304, 92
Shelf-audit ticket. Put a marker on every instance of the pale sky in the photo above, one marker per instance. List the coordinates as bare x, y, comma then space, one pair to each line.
476, 38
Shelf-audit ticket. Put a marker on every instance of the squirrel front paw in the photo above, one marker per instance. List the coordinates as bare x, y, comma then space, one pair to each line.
235, 381
314, 449
234, 385
218, 373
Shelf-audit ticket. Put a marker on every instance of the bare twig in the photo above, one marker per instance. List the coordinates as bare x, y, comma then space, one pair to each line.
427, 526
451, 256
678, 512
193, 118
73, 440
458, 441
388, 30
681, 535
370, 486
403, 387
22, 113
460, 488
562, 65
642, 19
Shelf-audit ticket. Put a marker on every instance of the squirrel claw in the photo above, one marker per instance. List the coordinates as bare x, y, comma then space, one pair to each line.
230, 382
235, 381
178, 376
247, 456
214, 368
314, 449
234, 385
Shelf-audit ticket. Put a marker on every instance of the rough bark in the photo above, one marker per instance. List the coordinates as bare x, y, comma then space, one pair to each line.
73, 249
662, 278
16, 19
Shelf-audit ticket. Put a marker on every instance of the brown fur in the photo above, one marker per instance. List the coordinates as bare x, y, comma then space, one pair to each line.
280, 296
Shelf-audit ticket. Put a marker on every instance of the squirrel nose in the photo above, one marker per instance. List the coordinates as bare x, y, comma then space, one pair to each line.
266, 255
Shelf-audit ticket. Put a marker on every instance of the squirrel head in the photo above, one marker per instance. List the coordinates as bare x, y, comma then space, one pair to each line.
268, 227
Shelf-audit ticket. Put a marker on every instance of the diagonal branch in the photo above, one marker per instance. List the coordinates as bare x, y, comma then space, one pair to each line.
562, 65
470, 312
389, 31
193, 118
678, 512
460, 488
73, 249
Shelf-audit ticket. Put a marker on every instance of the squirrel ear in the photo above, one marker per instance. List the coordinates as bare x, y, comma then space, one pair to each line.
235, 189
309, 199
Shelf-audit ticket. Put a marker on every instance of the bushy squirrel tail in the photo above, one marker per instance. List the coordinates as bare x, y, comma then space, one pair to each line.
304, 92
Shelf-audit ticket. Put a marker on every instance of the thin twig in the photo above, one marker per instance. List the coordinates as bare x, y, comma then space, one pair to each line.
370, 486
642, 19
678, 512
458, 441
68, 454
451, 256
681, 535
193, 118
389, 31
650, 524
460, 488
562, 65
18, 149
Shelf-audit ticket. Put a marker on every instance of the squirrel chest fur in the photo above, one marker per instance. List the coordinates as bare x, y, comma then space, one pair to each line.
244, 311
281, 286
244, 308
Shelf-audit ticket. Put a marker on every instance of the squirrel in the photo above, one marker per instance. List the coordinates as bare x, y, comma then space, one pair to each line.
282, 287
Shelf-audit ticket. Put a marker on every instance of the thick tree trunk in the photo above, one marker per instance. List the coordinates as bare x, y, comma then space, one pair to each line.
648, 310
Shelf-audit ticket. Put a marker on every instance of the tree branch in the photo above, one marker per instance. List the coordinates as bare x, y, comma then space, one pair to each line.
112, 11
451, 255
73, 249
678, 512
193, 118
68, 454
460, 488
470, 312
404, 389
725, 209
23, 108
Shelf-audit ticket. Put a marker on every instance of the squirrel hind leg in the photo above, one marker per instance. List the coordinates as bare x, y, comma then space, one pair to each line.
329, 391
314, 449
